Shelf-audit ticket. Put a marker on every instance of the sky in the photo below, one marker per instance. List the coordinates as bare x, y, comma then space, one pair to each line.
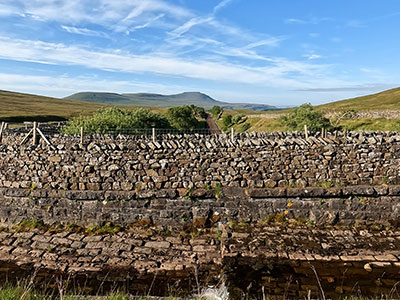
276, 52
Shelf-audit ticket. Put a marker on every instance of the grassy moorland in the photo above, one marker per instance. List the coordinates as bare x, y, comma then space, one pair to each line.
25, 107
386, 100
19, 107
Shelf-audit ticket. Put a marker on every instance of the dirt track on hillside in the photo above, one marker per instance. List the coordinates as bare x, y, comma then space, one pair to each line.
212, 125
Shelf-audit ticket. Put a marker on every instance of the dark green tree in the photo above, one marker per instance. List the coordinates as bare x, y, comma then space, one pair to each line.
227, 121
305, 114
182, 117
198, 111
216, 111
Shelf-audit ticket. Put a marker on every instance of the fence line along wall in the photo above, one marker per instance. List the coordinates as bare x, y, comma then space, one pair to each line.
255, 160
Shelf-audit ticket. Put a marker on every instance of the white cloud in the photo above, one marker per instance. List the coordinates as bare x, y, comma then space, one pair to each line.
147, 24
113, 14
309, 20
7, 9
221, 5
312, 56
278, 72
372, 87
84, 31
270, 42
179, 31
295, 21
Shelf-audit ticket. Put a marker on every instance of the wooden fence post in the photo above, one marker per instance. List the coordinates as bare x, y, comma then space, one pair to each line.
232, 135
34, 134
305, 131
154, 134
3, 126
81, 135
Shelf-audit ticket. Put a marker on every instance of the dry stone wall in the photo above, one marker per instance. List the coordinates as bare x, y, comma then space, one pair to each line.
267, 213
258, 160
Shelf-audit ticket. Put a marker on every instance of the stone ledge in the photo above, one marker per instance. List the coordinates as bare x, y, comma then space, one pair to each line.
229, 192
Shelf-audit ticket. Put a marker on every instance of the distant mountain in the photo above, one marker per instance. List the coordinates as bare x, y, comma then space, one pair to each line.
158, 100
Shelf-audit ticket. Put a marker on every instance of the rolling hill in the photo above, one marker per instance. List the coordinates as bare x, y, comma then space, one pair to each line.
19, 107
386, 100
158, 100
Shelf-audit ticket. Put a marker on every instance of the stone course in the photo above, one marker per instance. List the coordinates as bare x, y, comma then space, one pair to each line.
353, 205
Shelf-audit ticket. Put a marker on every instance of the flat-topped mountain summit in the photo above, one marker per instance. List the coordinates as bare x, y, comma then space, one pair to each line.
159, 100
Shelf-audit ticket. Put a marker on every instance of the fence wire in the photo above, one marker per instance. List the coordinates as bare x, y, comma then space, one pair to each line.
55, 129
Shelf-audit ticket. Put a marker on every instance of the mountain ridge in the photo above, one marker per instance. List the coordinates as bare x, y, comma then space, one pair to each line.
160, 100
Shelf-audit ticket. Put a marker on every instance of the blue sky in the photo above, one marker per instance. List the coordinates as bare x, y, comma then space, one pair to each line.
278, 52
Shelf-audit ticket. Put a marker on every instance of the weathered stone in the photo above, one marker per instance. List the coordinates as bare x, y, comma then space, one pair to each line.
158, 245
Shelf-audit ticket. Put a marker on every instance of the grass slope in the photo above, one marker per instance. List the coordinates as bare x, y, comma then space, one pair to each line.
386, 100
18, 107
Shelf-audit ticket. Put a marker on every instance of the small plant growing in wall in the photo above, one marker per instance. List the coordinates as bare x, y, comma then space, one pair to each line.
218, 235
218, 191
27, 225
189, 193
208, 187
107, 228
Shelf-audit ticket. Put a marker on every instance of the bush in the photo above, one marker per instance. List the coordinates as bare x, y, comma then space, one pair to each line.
245, 127
236, 119
115, 118
227, 121
182, 117
306, 115
198, 111
216, 111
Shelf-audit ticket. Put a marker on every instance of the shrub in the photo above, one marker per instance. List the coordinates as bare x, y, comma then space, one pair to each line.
306, 115
198, 111
182, 117
227, 121
116, 118
245, 127
237, 119
216, 111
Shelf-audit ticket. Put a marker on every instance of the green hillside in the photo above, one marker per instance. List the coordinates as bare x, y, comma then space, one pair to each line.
158, 100
19, 107
387, 100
